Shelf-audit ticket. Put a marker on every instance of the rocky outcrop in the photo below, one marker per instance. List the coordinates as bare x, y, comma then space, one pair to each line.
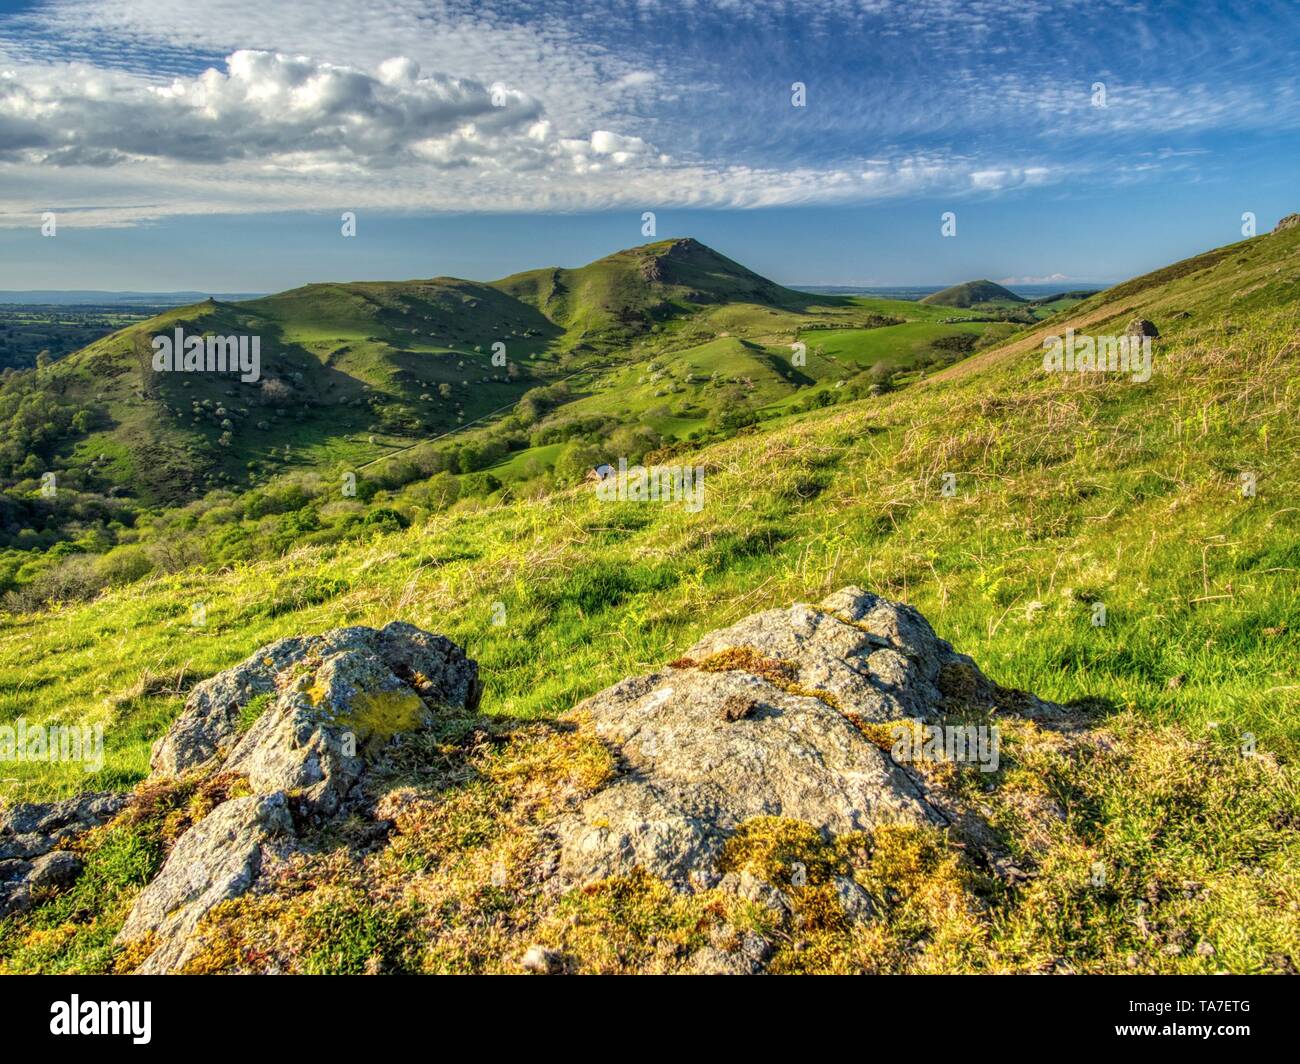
774, 720
431, 667
333, 706
765, 719
32, 836
1289, 222
22, 882
216, 860
33, 828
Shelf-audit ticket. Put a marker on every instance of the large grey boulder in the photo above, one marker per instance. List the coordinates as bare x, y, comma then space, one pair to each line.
314, 739
335, 704
216, 860
429, 667
209, 722
762, 719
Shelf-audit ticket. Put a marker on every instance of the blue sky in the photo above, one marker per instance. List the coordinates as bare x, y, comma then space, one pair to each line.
213, 145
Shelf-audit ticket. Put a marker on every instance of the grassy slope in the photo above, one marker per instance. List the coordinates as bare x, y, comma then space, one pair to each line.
1070, 491
1118, 492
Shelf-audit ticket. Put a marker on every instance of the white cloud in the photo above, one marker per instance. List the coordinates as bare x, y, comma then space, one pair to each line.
284, 111
635, 79
1051, 278
466, 106
275, 132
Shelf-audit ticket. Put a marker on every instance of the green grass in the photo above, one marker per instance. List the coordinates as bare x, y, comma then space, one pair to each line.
895, 345
1070, 491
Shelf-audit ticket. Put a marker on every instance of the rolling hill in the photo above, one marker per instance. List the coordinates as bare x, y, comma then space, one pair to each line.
973, 293
1170, 503
351, 372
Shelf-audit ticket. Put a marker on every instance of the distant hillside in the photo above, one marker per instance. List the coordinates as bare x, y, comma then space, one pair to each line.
350, 371
1073, 294
972, 293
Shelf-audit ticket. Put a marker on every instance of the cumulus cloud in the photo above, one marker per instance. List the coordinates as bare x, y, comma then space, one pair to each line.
1051, 278
279, 109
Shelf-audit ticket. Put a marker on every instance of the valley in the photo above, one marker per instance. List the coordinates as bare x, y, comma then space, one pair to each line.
517, 387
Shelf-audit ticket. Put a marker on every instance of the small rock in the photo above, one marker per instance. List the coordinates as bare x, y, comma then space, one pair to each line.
54, 871
30, 829
856, 902
29, 845
15, 897
745, 884
1142, 327
541, 961
1204, 949
12, 870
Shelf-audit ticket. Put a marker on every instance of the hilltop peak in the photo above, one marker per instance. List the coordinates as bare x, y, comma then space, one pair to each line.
971, 293
681, 245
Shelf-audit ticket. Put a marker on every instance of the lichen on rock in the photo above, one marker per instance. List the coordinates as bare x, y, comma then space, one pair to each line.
696, 768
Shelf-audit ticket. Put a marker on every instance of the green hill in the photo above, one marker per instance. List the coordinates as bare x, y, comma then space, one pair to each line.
351, 372
1004, 502
631, 290
972, 293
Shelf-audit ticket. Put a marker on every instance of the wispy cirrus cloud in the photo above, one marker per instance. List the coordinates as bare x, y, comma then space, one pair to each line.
447, 105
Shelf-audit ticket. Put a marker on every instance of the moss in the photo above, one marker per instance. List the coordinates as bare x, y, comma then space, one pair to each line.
629, 923
779, 850
780, 674
252, 710
135, 953
743, 659
203, 797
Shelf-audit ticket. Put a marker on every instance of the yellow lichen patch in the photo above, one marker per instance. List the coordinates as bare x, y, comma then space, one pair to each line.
376, 716
134, 954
